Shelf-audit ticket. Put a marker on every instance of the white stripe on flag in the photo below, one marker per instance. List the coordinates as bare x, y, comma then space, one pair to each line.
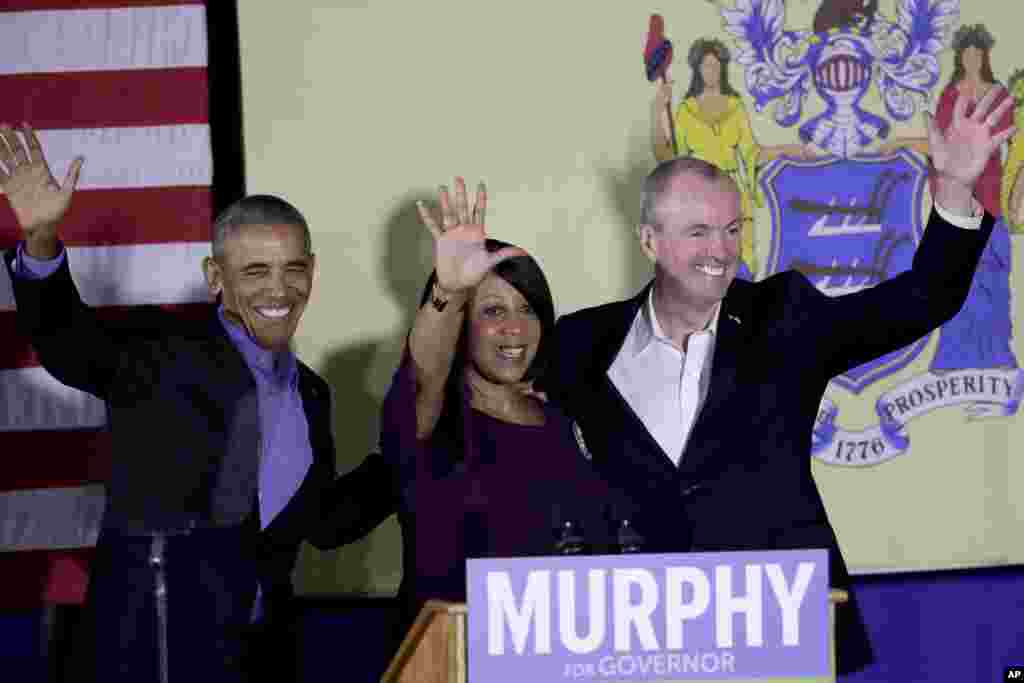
133, 275
146, 156
31, 399
50, 519
103, 39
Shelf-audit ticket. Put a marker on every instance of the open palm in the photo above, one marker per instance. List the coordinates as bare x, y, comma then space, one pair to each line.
961, 151
39, 203
461, 259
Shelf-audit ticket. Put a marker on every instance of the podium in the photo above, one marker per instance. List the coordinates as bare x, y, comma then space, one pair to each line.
434, 649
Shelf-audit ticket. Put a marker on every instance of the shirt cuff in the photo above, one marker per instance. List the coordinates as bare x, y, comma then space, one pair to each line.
31, 268
972, 222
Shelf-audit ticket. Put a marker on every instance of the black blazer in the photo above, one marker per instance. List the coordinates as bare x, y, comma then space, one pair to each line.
744, 481
173, 390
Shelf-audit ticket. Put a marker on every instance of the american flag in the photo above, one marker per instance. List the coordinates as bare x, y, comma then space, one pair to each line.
128, 85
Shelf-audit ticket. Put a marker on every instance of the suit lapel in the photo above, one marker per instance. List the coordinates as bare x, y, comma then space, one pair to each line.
735, 323
608, 404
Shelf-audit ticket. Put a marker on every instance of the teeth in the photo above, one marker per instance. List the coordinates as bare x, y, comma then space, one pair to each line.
276, 313
512, 351
714, 271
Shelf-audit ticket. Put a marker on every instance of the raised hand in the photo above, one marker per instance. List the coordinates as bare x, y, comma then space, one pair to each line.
960, 152
461, 258
39, 203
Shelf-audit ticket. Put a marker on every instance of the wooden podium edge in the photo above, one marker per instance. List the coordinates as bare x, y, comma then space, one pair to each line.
836, 596
415, 634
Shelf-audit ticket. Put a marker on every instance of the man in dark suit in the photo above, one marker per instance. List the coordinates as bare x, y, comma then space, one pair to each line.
223, 459
697, 397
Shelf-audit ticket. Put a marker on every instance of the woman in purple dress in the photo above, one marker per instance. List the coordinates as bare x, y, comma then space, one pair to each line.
487, 468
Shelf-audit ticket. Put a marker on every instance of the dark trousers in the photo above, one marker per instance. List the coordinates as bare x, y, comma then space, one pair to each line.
211, 581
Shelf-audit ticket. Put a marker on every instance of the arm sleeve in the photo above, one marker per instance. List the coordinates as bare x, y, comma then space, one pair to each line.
357, 503
855, 328
71, 343
31, 268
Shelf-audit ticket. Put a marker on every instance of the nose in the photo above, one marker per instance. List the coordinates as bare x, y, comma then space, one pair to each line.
276, 286
514, 324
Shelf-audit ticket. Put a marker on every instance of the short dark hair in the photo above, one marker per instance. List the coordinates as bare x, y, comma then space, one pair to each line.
526, 276
656, 183
257, 209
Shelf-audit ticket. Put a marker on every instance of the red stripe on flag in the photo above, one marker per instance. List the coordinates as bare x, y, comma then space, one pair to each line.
94, 99
37, 5
49, 576
38, 460
17, 352
128, 216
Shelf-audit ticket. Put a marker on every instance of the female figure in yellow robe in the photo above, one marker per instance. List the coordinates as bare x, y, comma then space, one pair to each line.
712, 124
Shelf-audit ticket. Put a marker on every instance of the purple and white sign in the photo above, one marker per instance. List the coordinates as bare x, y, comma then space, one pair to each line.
709, 616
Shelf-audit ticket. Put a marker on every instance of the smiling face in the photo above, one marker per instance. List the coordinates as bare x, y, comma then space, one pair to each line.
503, 332
265, 276
696, 244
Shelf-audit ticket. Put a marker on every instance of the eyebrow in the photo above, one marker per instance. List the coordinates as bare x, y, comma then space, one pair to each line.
263, 264
705, 226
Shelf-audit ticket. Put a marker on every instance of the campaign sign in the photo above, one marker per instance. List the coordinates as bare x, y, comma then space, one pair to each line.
705, 616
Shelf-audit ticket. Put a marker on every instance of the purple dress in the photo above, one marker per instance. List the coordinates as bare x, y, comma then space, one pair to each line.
503, 499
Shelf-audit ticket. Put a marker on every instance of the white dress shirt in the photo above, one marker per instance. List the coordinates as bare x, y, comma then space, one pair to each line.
666, 387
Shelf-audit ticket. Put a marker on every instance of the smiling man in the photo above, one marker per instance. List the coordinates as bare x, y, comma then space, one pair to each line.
698, 396
223, 459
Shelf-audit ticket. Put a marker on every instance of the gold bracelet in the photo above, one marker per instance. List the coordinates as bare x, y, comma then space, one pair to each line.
439, 298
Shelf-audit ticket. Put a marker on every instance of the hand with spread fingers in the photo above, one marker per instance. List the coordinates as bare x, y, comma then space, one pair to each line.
39, 203
460, 254
959, 153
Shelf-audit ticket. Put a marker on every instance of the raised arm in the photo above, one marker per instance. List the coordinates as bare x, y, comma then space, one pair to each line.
883, 318
461, 261
71, 344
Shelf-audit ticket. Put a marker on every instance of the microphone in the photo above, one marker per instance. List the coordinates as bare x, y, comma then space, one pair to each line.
568, 534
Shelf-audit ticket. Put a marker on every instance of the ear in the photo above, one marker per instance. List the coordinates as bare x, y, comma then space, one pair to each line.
648, 236
214, 276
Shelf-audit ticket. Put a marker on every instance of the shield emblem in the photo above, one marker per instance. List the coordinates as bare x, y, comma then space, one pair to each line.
848, 224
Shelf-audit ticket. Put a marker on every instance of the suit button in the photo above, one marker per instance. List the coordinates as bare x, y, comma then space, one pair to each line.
692, 489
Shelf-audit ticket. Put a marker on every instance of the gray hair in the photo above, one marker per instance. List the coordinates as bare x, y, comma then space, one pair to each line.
656, 183
257, 209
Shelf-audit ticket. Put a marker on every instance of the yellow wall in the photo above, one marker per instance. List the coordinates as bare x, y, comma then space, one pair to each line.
355, 109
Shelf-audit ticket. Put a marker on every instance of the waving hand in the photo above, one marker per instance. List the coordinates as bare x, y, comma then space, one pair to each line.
39, 203
460, 254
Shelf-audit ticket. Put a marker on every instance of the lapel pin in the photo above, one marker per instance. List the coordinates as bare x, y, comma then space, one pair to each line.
734, 318
578, 433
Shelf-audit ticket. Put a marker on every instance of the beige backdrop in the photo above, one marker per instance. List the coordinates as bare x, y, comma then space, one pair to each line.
355, 109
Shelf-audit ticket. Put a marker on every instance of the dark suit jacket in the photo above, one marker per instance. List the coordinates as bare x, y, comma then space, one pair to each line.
744, 481
179, 398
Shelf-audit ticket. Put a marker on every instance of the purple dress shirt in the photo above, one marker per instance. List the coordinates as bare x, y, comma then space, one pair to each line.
285, 451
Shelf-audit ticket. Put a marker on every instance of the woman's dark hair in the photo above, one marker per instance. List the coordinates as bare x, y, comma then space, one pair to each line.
526, 276
972, 36
698, 51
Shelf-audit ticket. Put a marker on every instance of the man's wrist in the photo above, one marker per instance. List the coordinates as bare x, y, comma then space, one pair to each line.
954, 197
44, 249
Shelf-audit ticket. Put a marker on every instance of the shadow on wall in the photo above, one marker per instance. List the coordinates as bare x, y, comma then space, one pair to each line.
622, 185
359, 375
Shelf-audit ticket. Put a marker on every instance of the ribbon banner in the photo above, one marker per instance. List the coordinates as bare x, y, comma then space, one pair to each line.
984, 393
